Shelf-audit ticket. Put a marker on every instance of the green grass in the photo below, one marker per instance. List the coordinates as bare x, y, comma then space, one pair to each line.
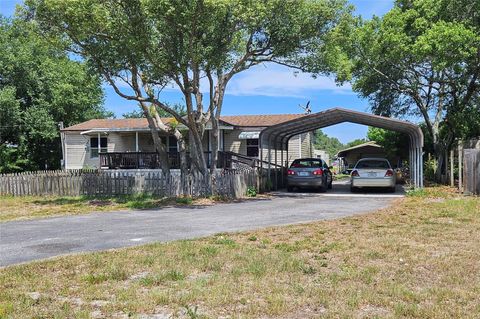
29, 207
339, 177
417, 259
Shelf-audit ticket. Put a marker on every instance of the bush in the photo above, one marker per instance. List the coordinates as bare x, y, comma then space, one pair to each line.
251, 191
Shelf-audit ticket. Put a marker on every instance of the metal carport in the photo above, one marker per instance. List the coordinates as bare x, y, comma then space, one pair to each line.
276, 137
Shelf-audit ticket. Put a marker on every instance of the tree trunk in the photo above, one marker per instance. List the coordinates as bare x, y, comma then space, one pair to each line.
440, 157
160, 148
184, 173
214, 156
218, 101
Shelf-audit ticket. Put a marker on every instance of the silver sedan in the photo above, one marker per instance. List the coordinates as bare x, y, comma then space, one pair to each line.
372, 172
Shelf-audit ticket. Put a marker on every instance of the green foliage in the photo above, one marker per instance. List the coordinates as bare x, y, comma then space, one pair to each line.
150, 44
416, 192
356, 142
138, 113
251, 191
394, 143
421, 59
429, 169
39, 87
135, 114
329, 144
184, 200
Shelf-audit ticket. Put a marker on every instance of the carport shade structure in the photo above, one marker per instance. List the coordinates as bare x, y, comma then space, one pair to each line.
276, 137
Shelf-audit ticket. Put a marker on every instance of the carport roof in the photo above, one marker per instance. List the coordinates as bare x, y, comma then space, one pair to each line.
277, 136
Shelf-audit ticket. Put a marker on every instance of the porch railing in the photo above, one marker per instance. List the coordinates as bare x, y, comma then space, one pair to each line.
141, 160
151, 160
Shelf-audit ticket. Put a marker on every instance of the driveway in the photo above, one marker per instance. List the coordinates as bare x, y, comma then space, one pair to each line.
24, 241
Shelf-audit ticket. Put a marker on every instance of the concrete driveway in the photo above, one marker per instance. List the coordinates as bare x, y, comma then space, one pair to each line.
24, 241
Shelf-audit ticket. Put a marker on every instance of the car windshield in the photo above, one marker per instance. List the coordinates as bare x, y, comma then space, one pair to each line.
306, 163
374, 164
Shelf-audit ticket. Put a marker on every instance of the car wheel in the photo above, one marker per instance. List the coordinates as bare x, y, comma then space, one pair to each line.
289, 189
330, 186
323, 188
392, 189
353, 189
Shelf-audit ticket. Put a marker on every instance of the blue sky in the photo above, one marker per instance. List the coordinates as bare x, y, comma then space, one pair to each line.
272, 89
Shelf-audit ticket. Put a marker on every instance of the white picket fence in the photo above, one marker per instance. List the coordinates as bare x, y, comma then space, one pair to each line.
232, 183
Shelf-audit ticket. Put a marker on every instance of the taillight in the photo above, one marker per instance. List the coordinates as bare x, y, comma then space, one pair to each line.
290, 172
318, 172
389, 173
355, 174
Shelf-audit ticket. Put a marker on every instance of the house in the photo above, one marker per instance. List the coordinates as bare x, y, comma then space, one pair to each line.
350, 156
322, 154
127, 143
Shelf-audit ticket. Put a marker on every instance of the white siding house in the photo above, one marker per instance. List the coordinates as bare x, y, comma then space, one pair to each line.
238, 134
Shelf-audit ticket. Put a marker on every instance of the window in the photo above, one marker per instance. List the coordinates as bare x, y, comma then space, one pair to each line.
307, 163
373, 164
164, 140
94, 149
252, 147
172, 144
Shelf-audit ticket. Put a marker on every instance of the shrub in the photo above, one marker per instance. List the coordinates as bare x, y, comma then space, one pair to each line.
251, 191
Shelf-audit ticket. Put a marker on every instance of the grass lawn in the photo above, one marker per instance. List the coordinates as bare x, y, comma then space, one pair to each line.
341, 177
28, 207
418, 259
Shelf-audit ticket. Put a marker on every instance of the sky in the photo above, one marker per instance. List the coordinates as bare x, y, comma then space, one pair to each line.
271, 89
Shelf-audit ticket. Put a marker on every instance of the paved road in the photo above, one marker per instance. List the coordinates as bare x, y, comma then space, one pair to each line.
24, 241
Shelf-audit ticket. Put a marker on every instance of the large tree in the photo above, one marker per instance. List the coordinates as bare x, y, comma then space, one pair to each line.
40, 86
329, 144
196, 46
394, 143
422, 59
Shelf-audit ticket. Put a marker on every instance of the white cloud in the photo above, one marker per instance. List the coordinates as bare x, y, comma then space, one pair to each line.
281, 81
268, 80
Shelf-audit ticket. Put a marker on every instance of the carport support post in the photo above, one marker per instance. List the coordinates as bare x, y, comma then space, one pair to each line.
281, 167
269, 164
416, 167
410, 163
421, 166
276, 169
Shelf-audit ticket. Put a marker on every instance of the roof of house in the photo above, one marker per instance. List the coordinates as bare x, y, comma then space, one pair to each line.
141, 123
366, 144
259, 120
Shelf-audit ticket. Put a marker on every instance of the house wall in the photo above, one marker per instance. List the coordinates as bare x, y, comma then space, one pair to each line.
233, 144
121, 142
77, 146
354, 155
76, 154
298, 146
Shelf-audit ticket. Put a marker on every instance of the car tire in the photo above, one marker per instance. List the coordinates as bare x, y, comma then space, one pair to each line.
289, 189
353, 189
323, 188
330, 186
392, 189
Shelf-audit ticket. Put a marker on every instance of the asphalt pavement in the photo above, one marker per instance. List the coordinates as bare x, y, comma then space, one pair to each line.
24, 241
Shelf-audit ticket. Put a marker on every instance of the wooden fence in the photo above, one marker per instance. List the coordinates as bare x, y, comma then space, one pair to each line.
471, 171
231, 183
